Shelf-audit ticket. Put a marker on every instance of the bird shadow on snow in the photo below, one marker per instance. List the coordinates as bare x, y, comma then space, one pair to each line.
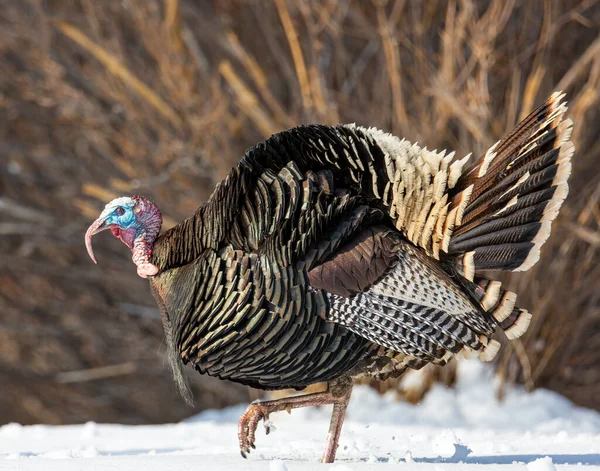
585, 459
591, 459
462, 454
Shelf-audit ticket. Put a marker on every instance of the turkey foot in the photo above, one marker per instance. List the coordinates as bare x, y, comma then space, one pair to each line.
338, 393
248, 424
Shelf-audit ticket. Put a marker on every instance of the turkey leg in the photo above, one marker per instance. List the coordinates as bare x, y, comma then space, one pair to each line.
338, 393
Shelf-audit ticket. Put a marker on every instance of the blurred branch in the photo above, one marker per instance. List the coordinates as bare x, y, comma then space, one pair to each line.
93, 374
138, 310
10, 228
592, 52
259, 78
247, 101
292, 37
118, 69
24, 212
585, 234
172, 23
392, 60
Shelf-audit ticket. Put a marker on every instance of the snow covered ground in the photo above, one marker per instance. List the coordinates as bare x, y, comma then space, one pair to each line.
461, 429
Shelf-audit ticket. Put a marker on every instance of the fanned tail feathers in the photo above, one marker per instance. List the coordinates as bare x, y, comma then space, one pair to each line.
513, 194
500, 304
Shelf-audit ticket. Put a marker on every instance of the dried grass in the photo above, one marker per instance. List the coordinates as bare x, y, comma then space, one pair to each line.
162, 97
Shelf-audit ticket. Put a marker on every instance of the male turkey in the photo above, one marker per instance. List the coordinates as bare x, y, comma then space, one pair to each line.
330, 253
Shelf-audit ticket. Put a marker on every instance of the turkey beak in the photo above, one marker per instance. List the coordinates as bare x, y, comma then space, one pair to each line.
97, 226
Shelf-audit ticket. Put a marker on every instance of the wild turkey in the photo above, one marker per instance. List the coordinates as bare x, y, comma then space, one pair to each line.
329, 253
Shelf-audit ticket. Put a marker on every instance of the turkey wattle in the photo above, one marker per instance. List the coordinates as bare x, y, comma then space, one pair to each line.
329, 253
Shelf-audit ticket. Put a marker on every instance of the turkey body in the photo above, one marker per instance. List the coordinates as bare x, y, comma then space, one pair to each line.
342, 251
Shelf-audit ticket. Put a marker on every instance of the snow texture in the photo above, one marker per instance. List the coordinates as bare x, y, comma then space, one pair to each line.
452, 429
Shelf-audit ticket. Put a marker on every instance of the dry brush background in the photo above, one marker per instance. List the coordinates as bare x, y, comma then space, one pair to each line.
161, 98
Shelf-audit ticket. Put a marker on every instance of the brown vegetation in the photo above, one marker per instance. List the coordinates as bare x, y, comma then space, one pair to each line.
161, 98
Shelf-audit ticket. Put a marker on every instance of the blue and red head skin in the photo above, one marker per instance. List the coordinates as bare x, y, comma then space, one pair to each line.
136, 221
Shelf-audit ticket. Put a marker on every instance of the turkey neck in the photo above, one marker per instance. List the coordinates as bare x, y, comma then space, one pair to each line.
208, 228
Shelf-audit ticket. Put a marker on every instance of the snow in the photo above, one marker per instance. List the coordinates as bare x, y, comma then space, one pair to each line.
464, 428
541, 464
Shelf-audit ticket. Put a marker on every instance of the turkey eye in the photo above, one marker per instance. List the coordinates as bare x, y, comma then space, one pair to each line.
119, 211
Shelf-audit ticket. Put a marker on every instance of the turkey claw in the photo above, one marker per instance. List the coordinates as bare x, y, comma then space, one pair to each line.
248, 424
269, 427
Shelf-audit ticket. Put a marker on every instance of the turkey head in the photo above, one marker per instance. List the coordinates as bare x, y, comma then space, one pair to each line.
136, 221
